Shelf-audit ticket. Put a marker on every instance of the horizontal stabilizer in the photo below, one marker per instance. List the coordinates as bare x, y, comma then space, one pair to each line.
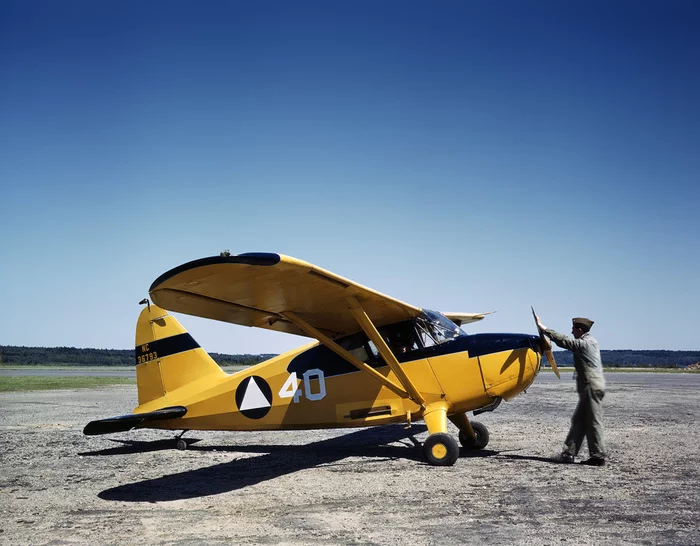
122, 423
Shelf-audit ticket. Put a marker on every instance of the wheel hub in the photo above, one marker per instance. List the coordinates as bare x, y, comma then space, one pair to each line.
439, 451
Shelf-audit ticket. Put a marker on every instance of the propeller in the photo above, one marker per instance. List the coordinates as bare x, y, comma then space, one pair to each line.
546, 347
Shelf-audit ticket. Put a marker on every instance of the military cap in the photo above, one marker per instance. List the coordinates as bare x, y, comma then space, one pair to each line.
583, 321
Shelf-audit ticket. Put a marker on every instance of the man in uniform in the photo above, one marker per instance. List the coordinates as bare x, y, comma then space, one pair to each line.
587, 421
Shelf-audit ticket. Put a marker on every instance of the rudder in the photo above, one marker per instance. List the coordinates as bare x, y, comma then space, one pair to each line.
167, 357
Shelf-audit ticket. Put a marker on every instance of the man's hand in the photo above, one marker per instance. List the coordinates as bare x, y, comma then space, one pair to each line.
539, 323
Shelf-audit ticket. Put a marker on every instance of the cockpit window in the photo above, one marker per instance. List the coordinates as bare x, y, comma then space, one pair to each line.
435, 329
400, 337
360, 347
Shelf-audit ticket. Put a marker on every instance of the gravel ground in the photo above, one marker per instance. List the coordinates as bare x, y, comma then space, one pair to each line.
358, 486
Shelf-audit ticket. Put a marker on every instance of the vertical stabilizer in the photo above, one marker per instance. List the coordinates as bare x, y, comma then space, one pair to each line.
167, 357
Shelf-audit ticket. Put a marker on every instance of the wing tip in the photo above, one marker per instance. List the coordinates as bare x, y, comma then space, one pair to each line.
265, 259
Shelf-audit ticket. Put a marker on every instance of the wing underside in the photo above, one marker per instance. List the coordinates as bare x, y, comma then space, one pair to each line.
259, 289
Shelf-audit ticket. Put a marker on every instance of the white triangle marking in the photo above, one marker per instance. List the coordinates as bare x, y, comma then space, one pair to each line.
253, 397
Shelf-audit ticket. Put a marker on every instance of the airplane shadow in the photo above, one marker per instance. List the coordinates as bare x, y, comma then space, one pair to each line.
129, 447
274, 461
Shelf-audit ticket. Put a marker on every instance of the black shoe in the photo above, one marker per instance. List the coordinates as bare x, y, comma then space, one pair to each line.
565, 458
594, 461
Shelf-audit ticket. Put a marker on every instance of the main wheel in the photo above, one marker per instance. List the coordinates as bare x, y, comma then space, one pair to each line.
482, 437
441, 449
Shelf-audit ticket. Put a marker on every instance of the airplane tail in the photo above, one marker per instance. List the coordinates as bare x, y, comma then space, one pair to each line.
167, 357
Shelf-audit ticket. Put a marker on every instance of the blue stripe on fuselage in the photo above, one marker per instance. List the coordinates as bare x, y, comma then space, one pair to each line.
331, 364
484, 344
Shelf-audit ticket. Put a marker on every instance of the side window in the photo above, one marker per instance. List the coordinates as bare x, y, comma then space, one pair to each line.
360, 347
400, 337
323, 359
360, 353
373, 349
442, 333
426, 333
435, 329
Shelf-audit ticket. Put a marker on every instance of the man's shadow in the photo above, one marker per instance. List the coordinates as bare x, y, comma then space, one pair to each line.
529, 458
274, 461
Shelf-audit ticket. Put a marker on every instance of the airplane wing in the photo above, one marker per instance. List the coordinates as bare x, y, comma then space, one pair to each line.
465, 318
256, 289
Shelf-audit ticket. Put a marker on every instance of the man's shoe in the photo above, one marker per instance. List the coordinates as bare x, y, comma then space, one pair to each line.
565, 458
594, 461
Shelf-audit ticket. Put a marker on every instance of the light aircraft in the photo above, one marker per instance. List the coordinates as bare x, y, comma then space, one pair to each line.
376, 360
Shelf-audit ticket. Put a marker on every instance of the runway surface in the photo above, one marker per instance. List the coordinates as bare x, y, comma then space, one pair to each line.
356, 486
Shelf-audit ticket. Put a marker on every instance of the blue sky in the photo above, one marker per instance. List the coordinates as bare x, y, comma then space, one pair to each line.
460, 156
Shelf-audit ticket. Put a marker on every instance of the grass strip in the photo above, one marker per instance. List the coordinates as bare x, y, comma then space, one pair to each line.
19, 383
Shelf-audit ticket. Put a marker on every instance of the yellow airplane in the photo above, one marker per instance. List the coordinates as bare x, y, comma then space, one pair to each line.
377, 360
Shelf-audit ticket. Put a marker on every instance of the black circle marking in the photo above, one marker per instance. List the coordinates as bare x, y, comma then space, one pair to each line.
259, 400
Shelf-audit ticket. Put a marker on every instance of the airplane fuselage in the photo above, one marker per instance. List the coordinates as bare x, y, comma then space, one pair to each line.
313, 387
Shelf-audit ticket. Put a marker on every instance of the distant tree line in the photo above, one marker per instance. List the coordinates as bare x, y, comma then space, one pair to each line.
624, 358
71, 356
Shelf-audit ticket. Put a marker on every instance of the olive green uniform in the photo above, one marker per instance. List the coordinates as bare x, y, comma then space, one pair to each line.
587, 421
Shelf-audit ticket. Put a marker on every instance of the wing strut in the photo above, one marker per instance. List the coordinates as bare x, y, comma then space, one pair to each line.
337, 349
366, 324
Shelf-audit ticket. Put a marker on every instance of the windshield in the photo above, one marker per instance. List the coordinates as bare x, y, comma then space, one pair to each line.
434, 329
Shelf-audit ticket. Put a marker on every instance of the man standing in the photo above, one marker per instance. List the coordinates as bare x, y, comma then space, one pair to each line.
587, 421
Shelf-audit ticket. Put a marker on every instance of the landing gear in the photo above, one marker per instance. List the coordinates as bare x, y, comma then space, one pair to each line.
472, 434
441, 449
180, 443
480, 441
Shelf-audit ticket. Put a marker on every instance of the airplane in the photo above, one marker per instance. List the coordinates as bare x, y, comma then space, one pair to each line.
375, 360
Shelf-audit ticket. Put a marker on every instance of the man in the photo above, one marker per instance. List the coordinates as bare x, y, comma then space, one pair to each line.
587, 421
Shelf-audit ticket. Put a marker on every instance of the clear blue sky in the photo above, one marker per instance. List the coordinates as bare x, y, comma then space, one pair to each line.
460, 156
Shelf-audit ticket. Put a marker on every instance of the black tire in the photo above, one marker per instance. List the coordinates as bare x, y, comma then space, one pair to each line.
441, 449
482, 437
181, 444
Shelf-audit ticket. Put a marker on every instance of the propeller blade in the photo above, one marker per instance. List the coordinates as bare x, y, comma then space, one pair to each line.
546, 347
552, 363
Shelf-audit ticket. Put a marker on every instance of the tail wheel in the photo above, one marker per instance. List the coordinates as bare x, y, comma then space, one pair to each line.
481, 440
441, 449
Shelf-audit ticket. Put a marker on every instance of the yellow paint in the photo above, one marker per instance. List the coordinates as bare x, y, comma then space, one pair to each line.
369, 328
288, 295
296, 297
507, 374
333, 346
460, 377
435, 416
450, 385
157, 378
461, 421
439, 451
253, 296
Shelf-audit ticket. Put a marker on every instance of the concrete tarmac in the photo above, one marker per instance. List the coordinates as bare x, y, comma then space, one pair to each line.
355, 486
